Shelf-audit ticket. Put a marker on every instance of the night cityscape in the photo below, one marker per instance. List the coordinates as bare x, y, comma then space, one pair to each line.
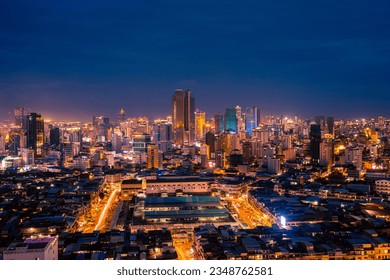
181, 130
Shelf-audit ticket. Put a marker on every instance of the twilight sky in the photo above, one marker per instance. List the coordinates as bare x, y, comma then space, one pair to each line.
71, 60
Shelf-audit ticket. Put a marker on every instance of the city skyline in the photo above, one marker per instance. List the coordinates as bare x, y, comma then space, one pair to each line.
70, 61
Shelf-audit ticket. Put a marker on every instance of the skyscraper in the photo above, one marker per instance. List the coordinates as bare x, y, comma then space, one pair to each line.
162, 134
121, 115
219, 122
20, 116
183, 118
252, 119
330, 125
230, 120
153, 158
100, 128
200, 120
35, 132
54, 136
315, 140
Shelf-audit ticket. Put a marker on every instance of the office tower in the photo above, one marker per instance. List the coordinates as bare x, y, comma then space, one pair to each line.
35, 133
100, 127
219, 123
13, 143
330, 125
315, 140
240, 120
354, 155
230, 120
153, 157
20, 117
54, 136
320, 120
252, 119
162, 135
183, 118
116, 141
121, 115
200, 120
141, 142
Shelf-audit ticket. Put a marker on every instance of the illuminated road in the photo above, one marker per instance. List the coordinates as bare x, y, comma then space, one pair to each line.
247, 214
103, 216
99, 212
184, 246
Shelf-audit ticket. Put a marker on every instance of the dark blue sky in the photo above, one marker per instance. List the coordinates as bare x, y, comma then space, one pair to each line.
75, 59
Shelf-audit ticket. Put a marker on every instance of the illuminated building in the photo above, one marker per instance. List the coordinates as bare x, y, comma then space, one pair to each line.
326, 153
252, 119
20, 117
200, 120
230, 142
153, 157
27, 156
353, 155
240, 120
320, 120
141, 142
35, 132
42, 248
219, 122
230, 120
121, 115
315, 140
183, 118
330, 125
100, 126
162, 134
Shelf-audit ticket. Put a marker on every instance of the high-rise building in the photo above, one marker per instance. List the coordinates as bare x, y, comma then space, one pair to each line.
54, 136
141, 142
210, 141
330, 125
315, 140
320, 120
100, 128
326, 153
121, 115
162, 134
153, 158
20, 116
183, 118
273, 165
200, 120
230, 120
354, 155
27, 156
240, 120
252, 119
35, 132
219, 122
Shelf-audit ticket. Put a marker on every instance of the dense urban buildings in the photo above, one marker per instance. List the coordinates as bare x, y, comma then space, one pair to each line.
236, 185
